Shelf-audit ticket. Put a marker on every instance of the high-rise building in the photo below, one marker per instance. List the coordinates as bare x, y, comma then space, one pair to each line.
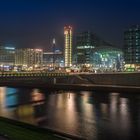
84, 47
132, 46
68, 46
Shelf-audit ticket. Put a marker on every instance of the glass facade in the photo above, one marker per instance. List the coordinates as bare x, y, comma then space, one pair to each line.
132, 45
7, 57
84, 47
49, 56
108, 58
94, 52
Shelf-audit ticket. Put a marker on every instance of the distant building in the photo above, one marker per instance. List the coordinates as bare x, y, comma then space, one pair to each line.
108, 57
7, 57
84, 47
95, 52
132, 46
29, 57
49, 56
68, 46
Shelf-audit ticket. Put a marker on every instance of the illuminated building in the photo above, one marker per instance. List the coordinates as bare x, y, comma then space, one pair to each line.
95, 52
29, 57
108, 58
86, 45
132, 47
7, 57
54, 45
68, 46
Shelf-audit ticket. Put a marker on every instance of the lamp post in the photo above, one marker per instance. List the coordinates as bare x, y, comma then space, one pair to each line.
54, 43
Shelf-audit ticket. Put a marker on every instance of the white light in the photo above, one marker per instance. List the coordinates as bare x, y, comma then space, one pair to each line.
38, 50
9, 48
54, 41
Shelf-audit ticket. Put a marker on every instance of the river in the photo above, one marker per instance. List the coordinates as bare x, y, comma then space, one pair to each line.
92, 115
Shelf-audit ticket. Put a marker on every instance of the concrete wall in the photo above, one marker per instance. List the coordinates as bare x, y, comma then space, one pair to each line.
124, 79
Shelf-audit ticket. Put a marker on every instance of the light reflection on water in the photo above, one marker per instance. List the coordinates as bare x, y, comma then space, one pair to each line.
94, 116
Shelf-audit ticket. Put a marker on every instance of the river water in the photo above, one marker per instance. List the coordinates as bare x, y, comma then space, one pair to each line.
92, 115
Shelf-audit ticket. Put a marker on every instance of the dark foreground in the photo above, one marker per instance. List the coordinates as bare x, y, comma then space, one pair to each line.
11, 131
14, 130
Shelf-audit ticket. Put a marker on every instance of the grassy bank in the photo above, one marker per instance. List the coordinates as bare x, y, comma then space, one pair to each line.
18, 132
15, 130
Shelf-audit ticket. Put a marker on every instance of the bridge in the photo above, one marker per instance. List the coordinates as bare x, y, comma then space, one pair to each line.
87, 81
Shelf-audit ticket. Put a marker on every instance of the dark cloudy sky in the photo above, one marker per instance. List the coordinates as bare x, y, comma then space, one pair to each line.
33, 23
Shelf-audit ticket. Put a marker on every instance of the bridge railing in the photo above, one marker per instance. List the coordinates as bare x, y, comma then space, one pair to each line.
32, 74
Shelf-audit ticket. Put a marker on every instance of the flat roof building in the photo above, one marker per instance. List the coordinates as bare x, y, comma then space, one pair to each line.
29, 57
7, 55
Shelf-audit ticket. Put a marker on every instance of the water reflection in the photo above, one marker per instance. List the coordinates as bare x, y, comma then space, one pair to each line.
7, 98
92, 115
119, 117
25, 113
104, 111
36, 96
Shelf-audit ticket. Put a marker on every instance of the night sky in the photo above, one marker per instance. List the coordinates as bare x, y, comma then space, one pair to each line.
33, 23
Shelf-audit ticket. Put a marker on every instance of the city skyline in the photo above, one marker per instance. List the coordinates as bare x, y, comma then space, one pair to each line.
35, 23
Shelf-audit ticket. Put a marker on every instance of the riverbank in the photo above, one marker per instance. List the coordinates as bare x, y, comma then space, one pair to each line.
15, 130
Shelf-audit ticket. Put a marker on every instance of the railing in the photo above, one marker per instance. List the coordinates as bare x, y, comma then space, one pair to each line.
25, 74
